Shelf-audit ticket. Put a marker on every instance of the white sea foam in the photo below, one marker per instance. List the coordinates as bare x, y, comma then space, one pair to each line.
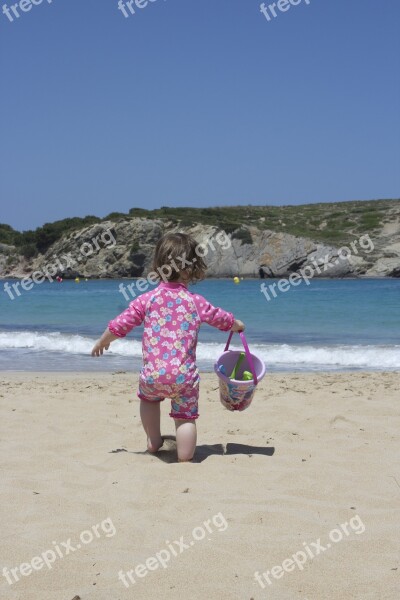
307, 357
58, 342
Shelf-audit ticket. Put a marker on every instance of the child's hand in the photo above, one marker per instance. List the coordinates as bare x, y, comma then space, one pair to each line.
99, 348
238, 326
103, 343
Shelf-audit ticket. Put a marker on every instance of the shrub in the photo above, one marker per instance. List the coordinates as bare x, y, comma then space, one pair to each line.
138, 212
243, 235
28, 250
113, 216
134, 249
11, 260
229, 227
7, 234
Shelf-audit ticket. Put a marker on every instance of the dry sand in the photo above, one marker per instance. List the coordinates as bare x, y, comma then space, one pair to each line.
311, 453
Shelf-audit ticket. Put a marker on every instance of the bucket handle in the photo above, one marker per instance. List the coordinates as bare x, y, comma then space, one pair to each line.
247, 351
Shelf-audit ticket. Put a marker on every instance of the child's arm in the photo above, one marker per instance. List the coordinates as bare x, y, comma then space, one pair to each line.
121, 325
215, 316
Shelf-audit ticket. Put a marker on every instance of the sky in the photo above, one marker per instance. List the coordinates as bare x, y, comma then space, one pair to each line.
195, 103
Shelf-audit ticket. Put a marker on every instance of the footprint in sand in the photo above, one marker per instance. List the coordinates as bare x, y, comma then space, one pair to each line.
340, 422
169, 443
167, 453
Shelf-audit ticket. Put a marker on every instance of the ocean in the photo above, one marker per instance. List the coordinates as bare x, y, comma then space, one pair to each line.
329, 325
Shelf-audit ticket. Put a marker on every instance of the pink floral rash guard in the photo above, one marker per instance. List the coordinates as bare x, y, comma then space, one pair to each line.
172, 317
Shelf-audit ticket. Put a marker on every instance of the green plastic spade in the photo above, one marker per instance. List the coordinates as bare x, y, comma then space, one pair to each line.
236, 367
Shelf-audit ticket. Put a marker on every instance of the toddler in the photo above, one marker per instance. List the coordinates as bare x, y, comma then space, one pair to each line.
171, 316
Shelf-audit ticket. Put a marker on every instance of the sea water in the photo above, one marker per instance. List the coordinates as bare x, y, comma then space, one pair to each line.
325, 326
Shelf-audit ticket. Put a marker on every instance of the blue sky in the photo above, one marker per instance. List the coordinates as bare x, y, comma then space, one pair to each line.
196, 103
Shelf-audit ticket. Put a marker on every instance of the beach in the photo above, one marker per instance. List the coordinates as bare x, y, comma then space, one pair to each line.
303, 486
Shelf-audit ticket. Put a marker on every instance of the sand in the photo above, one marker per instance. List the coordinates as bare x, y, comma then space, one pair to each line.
315, 457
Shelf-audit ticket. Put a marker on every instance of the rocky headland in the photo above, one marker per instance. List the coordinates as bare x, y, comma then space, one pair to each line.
256, 244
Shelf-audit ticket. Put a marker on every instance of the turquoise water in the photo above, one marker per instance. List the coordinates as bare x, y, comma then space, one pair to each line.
328, 325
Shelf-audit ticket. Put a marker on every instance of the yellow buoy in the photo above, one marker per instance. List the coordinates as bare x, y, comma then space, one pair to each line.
236, 280
77, 280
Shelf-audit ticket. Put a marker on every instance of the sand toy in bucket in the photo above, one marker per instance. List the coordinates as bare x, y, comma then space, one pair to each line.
246, 370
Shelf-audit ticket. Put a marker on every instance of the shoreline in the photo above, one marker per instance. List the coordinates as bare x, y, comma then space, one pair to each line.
83, 278
270, 371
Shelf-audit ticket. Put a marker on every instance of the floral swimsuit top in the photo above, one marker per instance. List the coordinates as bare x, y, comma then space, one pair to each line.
171, 316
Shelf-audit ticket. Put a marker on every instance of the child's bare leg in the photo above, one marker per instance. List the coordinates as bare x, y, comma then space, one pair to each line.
186, 437
150, 415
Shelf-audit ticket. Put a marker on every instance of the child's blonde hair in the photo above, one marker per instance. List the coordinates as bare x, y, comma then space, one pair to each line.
179, 252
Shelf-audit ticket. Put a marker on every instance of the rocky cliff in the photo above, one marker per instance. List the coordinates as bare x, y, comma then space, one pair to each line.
123, 248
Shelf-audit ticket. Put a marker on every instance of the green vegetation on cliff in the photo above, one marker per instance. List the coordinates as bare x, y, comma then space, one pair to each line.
30, 243
336, 223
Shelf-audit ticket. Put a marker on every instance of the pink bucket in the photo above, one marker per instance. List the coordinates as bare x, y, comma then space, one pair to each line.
234, 393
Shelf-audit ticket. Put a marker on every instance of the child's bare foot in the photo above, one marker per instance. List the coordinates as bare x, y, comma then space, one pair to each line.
154, 445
